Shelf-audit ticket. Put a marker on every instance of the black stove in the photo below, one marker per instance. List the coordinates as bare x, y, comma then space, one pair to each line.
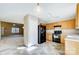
57, 34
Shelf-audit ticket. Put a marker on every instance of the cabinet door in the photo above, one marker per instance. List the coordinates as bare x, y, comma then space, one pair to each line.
70, 47
77, 16
49, 37
62, 38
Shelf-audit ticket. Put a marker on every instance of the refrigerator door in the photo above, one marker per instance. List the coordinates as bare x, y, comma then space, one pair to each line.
41, 34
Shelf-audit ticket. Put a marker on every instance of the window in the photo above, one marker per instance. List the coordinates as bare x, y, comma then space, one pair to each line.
15, 30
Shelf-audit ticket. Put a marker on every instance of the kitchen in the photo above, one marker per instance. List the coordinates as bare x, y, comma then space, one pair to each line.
70, 33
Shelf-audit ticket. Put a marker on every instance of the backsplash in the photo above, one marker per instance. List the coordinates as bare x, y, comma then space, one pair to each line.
77, 31
65, 31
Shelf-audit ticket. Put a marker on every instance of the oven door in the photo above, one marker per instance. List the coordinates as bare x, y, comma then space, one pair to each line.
56, 38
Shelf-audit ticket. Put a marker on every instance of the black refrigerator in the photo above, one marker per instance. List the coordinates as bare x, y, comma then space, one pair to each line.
41, 34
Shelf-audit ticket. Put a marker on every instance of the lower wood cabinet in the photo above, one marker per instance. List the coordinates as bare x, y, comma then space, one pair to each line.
49, 37
71, 47
62, 38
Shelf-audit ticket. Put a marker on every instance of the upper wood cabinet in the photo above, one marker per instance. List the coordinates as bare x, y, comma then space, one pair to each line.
77, 17
66, 24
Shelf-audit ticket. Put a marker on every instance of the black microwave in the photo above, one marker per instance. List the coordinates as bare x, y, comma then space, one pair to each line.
57, 32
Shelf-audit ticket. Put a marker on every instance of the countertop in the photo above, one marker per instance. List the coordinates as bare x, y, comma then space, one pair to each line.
74, 37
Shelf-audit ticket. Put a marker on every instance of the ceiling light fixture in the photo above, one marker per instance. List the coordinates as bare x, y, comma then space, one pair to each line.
38, 8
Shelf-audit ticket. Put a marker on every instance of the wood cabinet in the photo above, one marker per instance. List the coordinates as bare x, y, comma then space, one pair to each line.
71, 47
66, 24
49, 37
70, 24
49, 26
77, 17
62, 38
0, 30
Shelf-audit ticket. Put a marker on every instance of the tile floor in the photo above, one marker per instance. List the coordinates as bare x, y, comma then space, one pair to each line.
12, 40
10, 46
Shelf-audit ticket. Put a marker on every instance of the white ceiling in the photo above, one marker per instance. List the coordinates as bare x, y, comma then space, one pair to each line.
50, 12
